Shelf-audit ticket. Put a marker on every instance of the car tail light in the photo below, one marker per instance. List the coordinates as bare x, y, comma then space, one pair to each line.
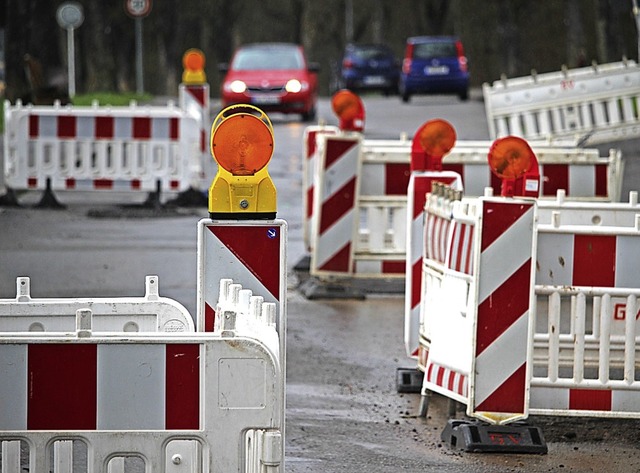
406, 62
462, 59
347, 63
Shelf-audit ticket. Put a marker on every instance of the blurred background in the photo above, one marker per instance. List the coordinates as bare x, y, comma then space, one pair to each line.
500, 36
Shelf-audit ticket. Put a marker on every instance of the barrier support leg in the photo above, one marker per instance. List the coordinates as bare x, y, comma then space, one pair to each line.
480, 437
153, 199
423, 409
9, 199
192, 197
48, 199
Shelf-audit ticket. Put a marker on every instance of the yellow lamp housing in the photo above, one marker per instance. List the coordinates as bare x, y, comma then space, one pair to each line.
193, 62
242, 145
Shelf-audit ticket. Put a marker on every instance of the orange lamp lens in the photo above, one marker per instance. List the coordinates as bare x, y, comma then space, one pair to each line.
346, 105
242, 144
437, 137
510, 157
193, 60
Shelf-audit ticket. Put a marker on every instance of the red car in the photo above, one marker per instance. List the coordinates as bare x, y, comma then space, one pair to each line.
274, 77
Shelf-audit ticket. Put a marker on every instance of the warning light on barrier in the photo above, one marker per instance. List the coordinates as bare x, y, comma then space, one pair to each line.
512, 160
242, 145
349, 109
193, 62
433, 140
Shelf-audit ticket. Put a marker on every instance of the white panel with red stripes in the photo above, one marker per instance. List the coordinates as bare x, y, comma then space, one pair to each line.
194, 100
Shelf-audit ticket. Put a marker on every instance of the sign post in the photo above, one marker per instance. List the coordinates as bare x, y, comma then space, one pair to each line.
138, 9
70, 16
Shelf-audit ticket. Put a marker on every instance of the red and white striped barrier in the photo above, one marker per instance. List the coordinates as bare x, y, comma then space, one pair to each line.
150, 313
477, 298
194, 100
420, 183
593, 104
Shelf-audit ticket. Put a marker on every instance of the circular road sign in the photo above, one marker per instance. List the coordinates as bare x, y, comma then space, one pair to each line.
69, 15
137, 8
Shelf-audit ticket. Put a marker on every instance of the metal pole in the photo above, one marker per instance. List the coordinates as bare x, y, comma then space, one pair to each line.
72, 63
636, 13
139, 75
348, 17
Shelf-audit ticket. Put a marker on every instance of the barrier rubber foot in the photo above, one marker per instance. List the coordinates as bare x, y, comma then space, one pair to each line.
49, 201
314, 289
9, 199
480, 437
304, 264
409, 380
189, 198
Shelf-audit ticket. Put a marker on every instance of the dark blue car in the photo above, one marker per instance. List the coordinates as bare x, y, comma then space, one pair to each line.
434, 65
369, 67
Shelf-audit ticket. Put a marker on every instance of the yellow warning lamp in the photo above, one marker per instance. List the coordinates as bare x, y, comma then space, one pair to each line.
349, 109
433, 140
512, 160
242, 145
193, 62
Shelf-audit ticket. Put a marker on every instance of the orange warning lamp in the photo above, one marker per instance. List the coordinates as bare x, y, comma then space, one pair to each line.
242, 145
433, 140
512, 160
349, 109
193, 62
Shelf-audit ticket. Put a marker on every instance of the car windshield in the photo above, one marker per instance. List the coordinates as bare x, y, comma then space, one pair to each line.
278, 58
371, 52
428, 50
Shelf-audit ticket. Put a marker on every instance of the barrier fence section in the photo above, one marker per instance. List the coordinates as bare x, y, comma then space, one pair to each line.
157, 402
131, 149
585, 360
477, 301
592, 104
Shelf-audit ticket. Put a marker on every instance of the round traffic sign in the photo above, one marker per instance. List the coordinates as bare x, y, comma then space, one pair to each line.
137, 8
69, 15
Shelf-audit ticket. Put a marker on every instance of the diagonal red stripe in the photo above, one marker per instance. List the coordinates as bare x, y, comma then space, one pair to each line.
335, 149
509, 396
498, 217
337, 205
257, 248
209, 318
340, 261
503, 307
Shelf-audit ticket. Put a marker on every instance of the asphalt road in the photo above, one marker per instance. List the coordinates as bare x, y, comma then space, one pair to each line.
343, 411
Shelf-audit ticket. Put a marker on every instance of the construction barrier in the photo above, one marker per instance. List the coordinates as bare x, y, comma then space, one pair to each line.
130, 149
591, 104
150, 313
164, 402
489, 263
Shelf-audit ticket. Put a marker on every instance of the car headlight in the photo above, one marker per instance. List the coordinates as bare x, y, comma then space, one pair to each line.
293, 86
237, 87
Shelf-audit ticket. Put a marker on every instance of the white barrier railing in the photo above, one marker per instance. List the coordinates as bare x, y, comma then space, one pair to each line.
592, 104
127, 149
155, 402
150, 313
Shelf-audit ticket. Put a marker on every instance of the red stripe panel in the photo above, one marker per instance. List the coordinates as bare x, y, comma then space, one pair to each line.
34, 126
397, 178
495, 183
182, 410
509, 396
340, 261
197, 93
337, 205
590, 399
420, 188
70, 183
555, 176
209, 318
335, 149
416, 278
174, 129
309, 202
394, 267
501, 309
203, 141
136, 184
102, 183
459, 168
141, 128
66, 127
594, 260
601, 189
311, 144
104, 127
32, 182
440, 376
62, 387
257, 248
498, 217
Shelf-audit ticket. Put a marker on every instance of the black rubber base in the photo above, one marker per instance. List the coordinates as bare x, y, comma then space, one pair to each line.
242, 215
409, 380
314, 289
480, 437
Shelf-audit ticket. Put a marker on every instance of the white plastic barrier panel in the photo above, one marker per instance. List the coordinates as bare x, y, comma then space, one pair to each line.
477, 301
163, 402
94, 148
592, 104
150, 313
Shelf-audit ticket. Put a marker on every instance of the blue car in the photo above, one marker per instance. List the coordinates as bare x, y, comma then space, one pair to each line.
367, 67
434, 65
